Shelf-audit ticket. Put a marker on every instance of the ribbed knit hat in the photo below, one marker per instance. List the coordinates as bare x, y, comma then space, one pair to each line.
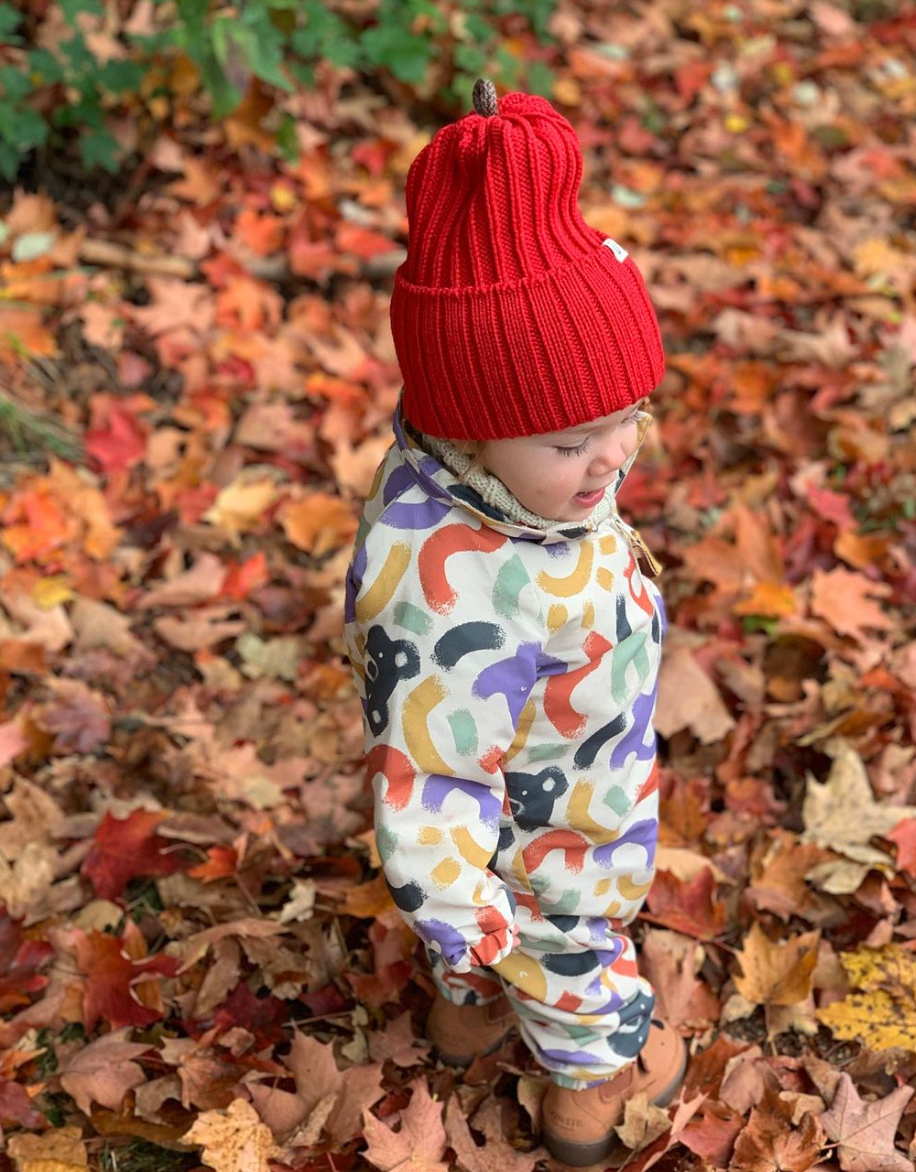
510, 315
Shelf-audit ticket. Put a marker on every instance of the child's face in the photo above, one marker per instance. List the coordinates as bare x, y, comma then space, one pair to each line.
562, 474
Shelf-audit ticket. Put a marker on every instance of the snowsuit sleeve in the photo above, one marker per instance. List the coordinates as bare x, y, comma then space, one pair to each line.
444, 648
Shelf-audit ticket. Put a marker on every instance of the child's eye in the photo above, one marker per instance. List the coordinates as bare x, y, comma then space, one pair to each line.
577, 451
573, 451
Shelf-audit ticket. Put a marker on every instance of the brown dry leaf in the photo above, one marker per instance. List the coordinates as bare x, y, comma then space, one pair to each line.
103, 1071
196, 946
671, 962
175, 305
241, 505
35, 818
234, 1140
198, 629
97, 624
199, 584
59, 1150
865, 1131
776, 973
420, 1143
770, 1142
779, 879
494, 1155
25, 883
318, 523
842, 813
882, 1014
688, 698
841, 597
317, 1077
273, 427
643, 1122
398, 1042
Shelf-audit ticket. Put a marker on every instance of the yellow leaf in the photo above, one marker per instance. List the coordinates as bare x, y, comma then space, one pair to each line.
773, 599
882, 1013
48, 592
240, 505
60, 1150
234, 1140
318, 523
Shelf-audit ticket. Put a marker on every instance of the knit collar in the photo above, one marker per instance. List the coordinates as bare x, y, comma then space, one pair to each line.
441, 465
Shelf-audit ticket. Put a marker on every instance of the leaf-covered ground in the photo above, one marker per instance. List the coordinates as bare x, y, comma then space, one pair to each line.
200, 964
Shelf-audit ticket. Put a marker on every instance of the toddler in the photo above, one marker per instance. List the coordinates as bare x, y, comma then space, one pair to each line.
503, 641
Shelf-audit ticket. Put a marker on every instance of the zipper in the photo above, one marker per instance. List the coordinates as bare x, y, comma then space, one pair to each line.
653, 566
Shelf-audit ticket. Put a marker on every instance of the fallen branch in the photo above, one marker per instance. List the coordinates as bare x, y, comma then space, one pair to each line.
103, 252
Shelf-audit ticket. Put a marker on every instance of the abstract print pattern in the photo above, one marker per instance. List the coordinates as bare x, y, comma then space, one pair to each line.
508, 677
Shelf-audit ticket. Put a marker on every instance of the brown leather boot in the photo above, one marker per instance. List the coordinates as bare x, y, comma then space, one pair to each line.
579, 1125
460, 1033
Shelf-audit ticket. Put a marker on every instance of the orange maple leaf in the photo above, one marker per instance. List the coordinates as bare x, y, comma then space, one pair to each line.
118, 988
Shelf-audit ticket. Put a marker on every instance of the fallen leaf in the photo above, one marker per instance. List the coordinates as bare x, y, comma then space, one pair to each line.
398, 1042
688, 699
690, 908
882, 1013
125, 848
865, 1131
420, 1143
776, 973
233, 1140
114, 981
317, 1077
770, 1142
643, 1122
842, 813
104, 1071
59, 1150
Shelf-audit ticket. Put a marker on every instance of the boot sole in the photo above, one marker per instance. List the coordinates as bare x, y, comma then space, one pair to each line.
581, 1155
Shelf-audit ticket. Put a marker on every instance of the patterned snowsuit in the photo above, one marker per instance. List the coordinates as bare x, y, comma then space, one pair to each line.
509, 676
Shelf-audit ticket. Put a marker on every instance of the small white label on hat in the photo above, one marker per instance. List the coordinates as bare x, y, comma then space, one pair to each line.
620, 253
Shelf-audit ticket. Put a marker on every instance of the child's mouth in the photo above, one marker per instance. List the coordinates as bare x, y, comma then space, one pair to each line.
589, 498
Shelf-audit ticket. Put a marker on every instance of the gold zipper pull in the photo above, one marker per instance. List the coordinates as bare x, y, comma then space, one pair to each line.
654, 565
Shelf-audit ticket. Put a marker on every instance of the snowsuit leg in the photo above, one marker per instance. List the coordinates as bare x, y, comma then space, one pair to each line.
478, 987
584, 1013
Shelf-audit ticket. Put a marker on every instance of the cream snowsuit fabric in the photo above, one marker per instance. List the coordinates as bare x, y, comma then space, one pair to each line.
509, 676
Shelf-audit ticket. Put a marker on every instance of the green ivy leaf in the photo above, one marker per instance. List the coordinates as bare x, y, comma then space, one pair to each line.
287, 139
470, 58
9, 162
540, 79
15, 82
9, 22
98, 148
44, 67
120, 77
406, 57
72, 8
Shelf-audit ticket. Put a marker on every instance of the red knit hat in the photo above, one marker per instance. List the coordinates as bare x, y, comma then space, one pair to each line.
510, 315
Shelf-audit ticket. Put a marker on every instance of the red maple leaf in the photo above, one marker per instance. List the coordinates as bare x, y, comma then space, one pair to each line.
264, 1017
117, 440
118, 988
125, 848
904, 837
19, 959
690, 908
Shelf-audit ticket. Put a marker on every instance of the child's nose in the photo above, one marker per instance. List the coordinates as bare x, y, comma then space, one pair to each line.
612, 455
